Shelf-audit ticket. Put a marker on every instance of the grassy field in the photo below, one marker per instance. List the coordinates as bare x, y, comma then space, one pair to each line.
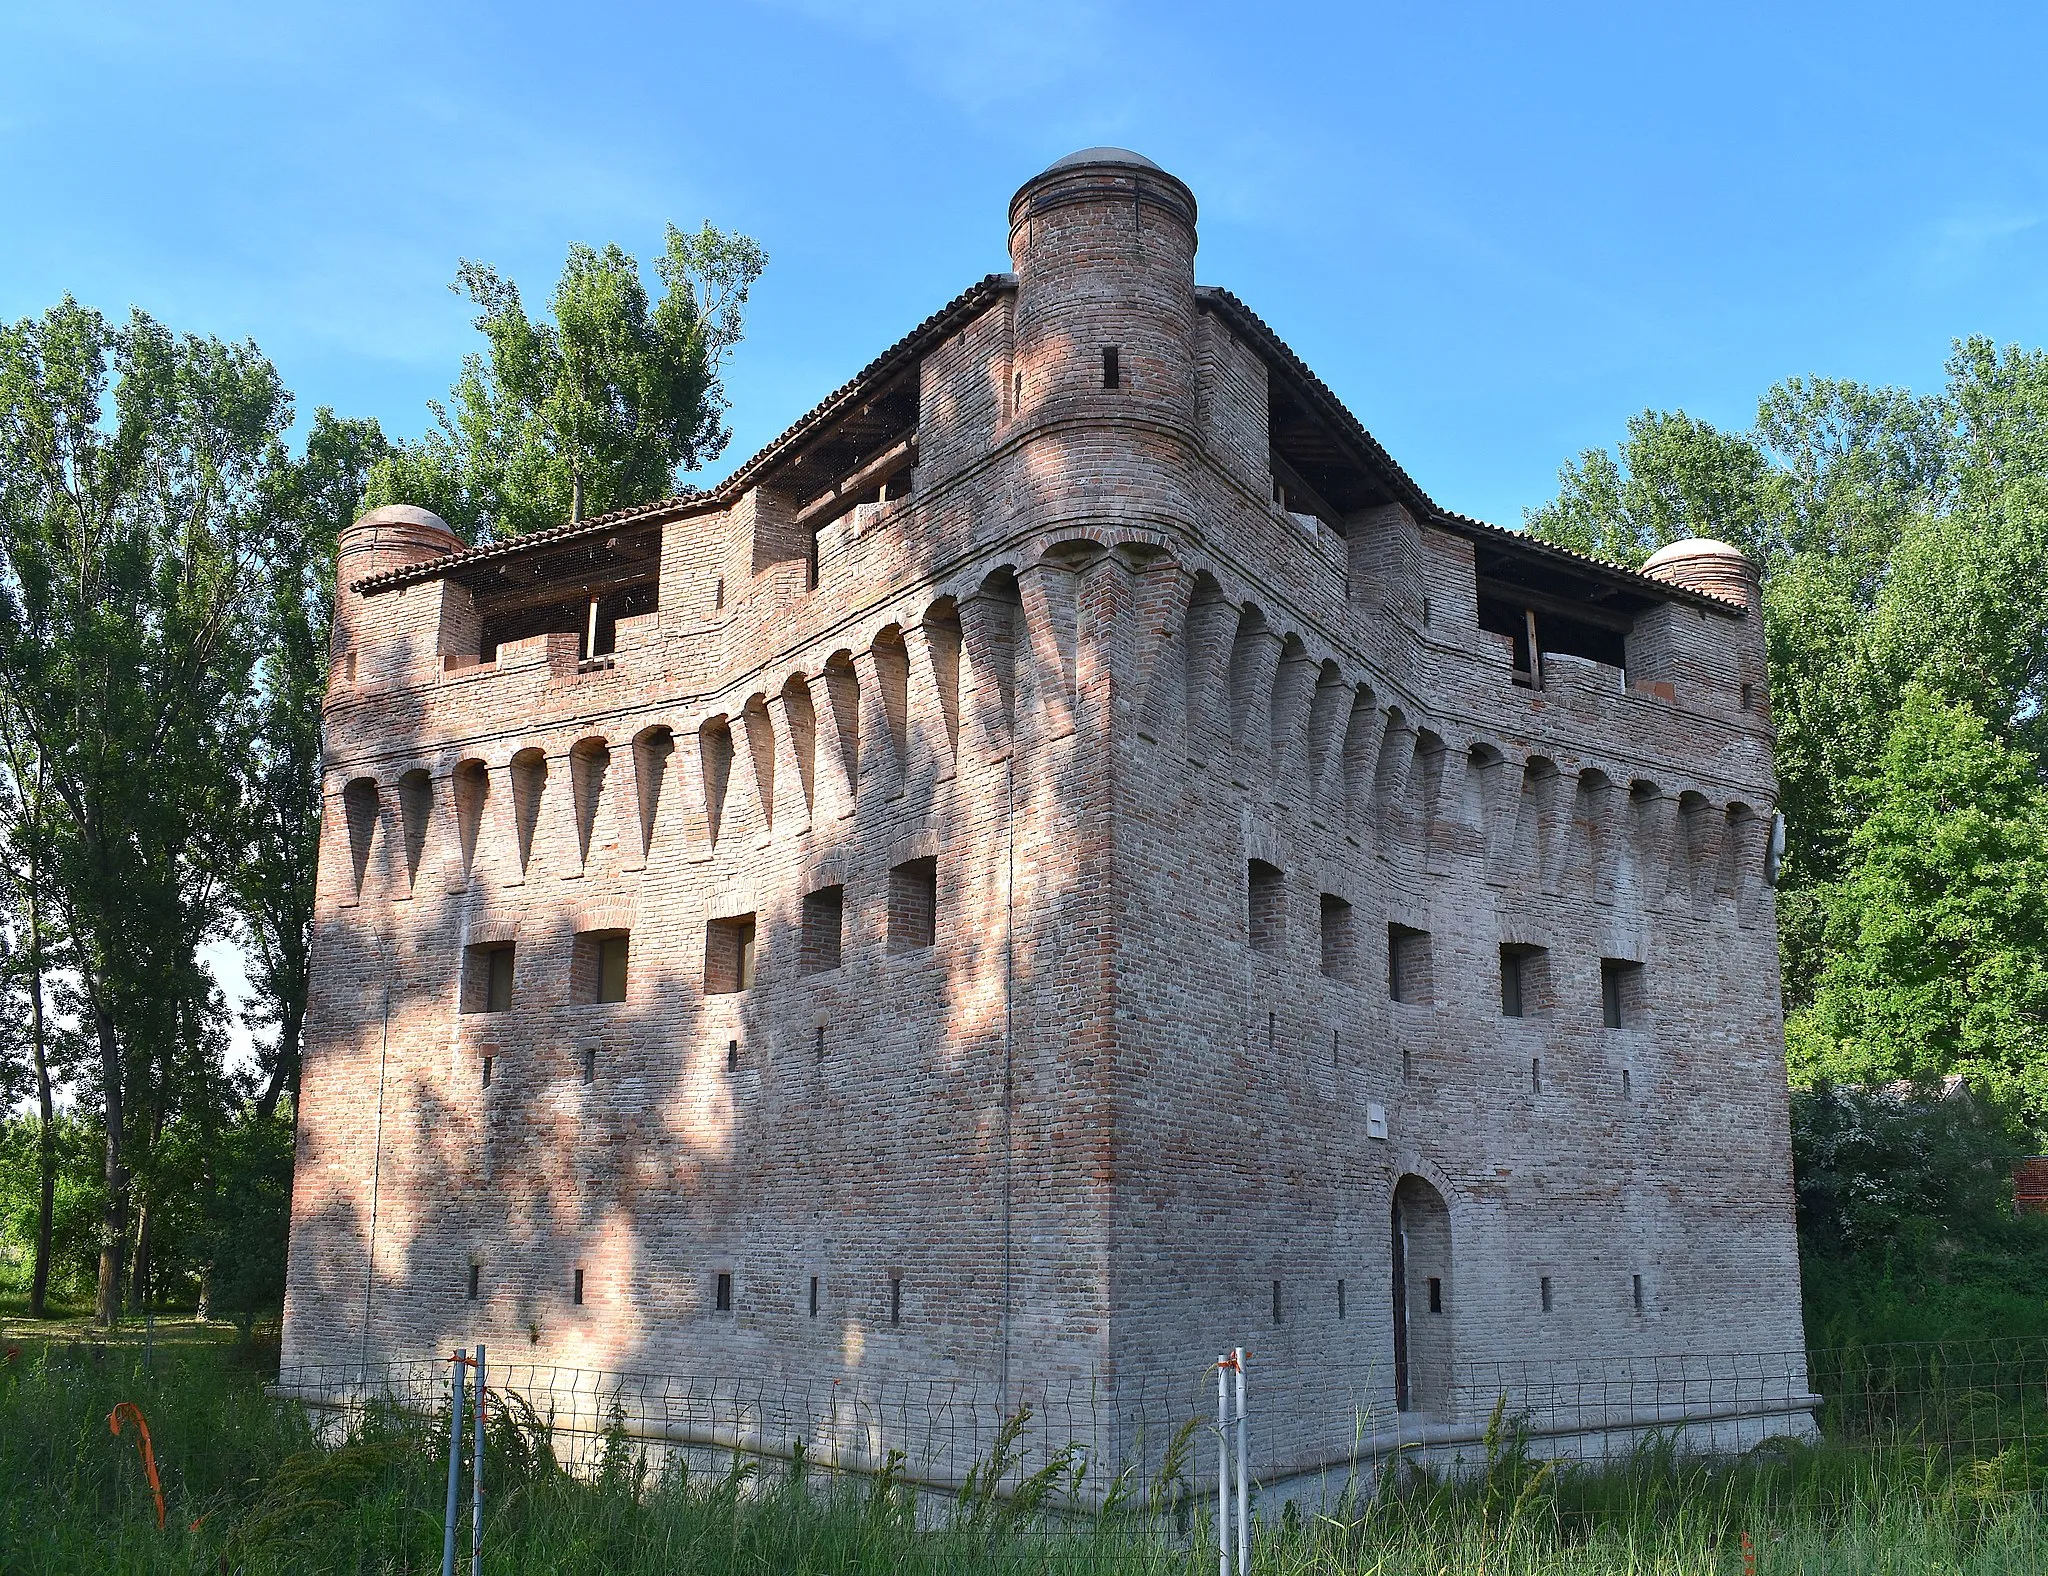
247, 1490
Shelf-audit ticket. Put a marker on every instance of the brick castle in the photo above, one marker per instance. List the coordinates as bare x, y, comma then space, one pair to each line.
1067, 861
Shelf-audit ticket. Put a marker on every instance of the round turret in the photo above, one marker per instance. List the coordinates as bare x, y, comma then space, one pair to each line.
1702, 564
1103, 243
390, 537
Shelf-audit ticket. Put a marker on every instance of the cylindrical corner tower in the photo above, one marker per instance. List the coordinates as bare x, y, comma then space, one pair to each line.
1702, 564
1103, 244
391, 537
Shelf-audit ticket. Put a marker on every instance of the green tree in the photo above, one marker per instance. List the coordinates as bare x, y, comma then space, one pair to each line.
274, 873
593, 411
137, 489
1673, 478
1937, 958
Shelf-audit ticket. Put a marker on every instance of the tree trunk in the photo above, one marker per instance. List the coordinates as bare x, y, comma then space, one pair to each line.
114, 1220
46, 1110
576, 493
138, 1292
284, 1067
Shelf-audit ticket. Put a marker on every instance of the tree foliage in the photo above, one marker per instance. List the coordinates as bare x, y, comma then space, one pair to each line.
592, 411
1904, 544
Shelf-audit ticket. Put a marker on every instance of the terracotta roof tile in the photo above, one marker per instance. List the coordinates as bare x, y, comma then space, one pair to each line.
956, 313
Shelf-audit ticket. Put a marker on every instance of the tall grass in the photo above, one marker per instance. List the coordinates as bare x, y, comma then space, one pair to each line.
249, 1489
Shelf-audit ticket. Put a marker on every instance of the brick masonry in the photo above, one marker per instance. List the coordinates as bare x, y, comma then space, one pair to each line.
1121, 722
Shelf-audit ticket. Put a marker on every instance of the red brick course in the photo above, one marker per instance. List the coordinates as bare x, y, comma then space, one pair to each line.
1068, 682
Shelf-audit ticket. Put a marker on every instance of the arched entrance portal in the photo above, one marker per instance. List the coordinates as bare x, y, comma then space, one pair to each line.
1422, 1297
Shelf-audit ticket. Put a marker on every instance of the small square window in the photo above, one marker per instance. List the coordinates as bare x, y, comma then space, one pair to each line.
487, 978
729, 955
1621, 993
824, 919
611, 969
723, 1293
913, 904
1410, 977
597, 967
1524, 980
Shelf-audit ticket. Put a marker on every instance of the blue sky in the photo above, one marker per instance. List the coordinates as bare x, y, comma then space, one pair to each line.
1495, 230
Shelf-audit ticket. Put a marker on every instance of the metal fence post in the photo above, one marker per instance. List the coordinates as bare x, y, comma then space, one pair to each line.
1244, 1523
455, 1367
476, 1475
1223, 1466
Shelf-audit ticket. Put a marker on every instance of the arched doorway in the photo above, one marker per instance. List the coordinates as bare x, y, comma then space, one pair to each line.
1422, 1297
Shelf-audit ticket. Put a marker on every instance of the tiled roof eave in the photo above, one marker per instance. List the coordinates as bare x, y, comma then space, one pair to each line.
1279, 354
954, 315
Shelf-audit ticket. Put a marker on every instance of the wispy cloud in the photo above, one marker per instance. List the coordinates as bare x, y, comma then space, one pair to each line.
1967, 238
981, 57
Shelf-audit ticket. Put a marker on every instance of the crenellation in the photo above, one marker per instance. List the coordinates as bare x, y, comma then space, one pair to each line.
1066, 855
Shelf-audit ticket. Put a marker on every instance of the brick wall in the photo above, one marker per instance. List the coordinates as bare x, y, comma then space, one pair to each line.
1082, 684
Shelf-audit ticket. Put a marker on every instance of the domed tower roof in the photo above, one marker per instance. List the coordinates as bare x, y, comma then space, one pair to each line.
1693, 547
1136, 161
1700, 563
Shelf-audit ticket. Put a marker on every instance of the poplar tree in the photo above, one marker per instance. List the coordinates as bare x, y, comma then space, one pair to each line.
593, 411
137, 508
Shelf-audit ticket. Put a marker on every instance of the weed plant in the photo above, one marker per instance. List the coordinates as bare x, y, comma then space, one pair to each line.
249, 1489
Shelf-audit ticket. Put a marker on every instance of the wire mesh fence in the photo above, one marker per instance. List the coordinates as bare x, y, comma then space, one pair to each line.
1967, 1416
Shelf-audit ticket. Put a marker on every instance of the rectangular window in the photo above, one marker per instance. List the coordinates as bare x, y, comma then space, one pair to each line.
1340, 1299
732, 1056
1543, 1290
1112, 371
823, 922
1621, 993
590, 1067
475, 1276
913, 904
611, 969
577, 1291
895, 1299
1524, 980
729, 955
487, 1072
1535, 1075
1436, 1294
814, 1296
1265, 906
1636, 1291
1276, 1302
723, 1293
1625, 1081
1409, 973
1510, 983
1337, 953
597, 967
487, 978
